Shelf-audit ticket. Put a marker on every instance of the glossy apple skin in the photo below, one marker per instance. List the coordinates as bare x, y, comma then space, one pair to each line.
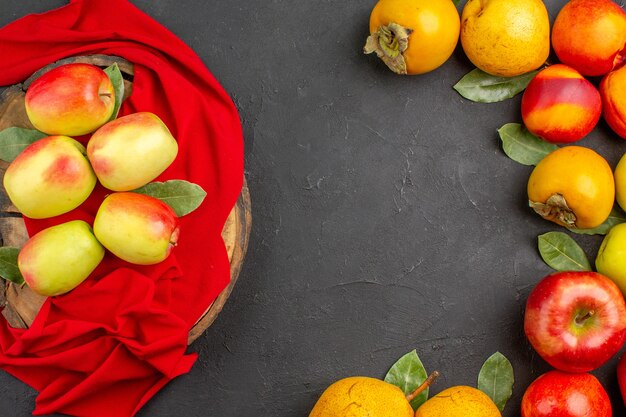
613, 93
589, 35
136, 228
131, 151
57, 259
560, 105
621, 377
561, 394
576, 321
71, 100
50, 177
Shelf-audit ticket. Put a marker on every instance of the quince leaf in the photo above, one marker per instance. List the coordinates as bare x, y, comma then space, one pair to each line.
481, 87
522, 146
408, 373
182, 196
616, 216
8, 265
562, 253
496, 379
13, 140
115, 75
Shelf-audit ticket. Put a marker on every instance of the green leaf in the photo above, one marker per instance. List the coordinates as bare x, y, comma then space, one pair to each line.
13, 140
616, 216
562, 253
408, 373
115, 75
496, 379
182, 196
456, 2
8, 265
479, 86
522, 146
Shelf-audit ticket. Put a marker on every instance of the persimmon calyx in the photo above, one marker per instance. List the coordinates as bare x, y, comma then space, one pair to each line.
389, 42
555, 209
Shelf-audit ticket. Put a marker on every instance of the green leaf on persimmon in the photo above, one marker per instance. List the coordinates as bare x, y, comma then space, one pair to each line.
408, 373
115, 75
13, 140
562, 253
522, 146
481, 87
182, 196
8, 265
496, 379
616, 216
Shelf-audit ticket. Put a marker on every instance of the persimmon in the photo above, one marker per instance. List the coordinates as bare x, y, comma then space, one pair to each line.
413, 36
572, 186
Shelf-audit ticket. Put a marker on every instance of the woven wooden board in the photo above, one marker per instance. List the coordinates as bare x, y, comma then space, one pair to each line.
21, 305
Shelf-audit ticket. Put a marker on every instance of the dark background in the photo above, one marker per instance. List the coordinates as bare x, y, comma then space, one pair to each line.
386, 216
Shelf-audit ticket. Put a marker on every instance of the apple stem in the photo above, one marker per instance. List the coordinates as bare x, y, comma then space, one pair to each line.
582, 319
431, 378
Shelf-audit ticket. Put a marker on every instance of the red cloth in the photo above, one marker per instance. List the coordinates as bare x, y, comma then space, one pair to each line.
105, 348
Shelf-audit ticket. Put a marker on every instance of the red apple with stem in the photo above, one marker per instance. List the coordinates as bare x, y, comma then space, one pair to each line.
576, 320
562, 394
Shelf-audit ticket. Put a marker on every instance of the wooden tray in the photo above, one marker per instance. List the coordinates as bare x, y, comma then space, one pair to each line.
21, 304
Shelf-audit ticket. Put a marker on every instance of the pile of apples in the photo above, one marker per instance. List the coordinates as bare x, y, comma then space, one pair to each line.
576, 321
56, 174
560, 105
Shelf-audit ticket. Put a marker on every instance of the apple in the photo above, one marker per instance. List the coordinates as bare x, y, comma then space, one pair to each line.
57, 259
613, 93
576, 320
611, 258
136, 228
589, 36
131, 151
49, 177
565, 394
621, 377
560, 105
72, 100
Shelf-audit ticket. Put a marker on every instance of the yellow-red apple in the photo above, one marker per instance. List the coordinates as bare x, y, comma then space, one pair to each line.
560, 105
613, 93
50, 177
72, 100
131, 151
136, 228
589, 35
57, 259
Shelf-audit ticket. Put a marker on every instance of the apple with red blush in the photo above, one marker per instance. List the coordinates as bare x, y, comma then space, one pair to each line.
49, 177
576, 320
72, 100
560, 105
131, 151
136, 228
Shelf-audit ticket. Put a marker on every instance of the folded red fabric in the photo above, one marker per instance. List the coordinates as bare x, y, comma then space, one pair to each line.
105, 348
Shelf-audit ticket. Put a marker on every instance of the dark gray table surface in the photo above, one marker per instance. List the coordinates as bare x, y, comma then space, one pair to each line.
386, 216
